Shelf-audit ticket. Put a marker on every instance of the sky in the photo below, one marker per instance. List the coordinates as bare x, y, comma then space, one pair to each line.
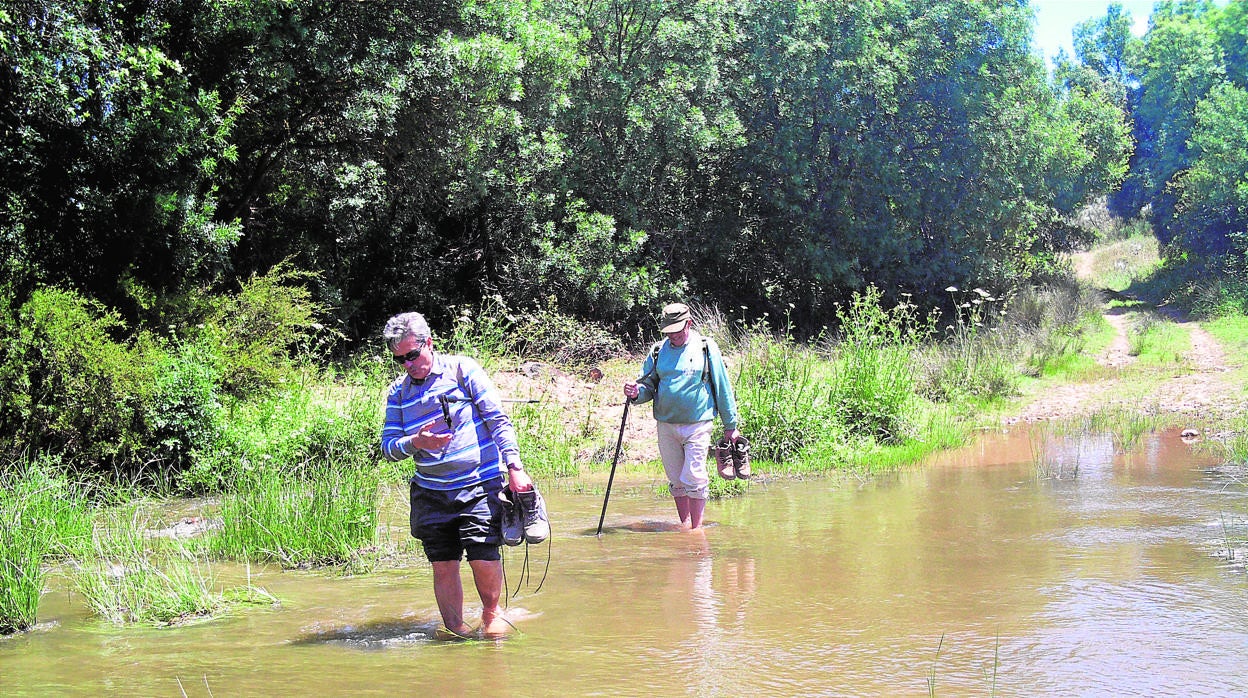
1056, 20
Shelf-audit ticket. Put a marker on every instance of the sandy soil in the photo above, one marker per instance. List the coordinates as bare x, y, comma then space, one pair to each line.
592, 400
1201, 385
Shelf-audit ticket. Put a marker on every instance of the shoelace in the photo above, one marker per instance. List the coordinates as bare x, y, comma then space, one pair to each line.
525, 572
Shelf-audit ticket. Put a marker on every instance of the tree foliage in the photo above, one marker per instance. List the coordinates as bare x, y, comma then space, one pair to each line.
607, 155
1184, 83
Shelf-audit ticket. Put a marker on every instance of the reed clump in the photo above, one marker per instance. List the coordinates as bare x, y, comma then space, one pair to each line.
133, 577
322, 514
42, 517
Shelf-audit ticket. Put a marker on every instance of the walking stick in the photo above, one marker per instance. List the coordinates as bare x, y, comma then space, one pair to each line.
616, 459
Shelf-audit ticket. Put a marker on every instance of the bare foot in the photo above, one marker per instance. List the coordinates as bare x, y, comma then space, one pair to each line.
495, 629
463, 633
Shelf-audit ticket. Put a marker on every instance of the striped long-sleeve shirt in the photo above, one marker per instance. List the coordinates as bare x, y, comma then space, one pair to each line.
484, 439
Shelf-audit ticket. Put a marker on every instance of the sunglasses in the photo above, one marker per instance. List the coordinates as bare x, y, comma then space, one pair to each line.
409, 356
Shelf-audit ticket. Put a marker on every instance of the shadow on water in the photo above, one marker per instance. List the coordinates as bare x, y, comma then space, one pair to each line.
378, 635
1030, 563
649, 526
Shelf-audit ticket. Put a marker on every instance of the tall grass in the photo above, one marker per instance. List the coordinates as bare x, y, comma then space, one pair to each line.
1053, 327
875, 375
126, 582
324, 514
783, 403
134, 578
548, 443
40, 514
975, 357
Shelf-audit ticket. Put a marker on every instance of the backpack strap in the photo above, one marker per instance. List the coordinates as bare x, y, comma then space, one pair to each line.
706, 372
654, 360
463, 384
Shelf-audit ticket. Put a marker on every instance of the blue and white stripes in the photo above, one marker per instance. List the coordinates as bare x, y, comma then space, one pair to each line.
484, 439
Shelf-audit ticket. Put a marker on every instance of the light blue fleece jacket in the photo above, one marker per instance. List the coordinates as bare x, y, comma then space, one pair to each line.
674, 381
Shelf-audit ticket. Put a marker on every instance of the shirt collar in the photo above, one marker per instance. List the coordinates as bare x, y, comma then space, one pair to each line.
439, 367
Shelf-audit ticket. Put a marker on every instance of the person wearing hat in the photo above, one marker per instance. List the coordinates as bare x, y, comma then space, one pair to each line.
684, 375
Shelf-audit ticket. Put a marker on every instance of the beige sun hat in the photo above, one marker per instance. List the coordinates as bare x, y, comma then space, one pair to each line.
673, 317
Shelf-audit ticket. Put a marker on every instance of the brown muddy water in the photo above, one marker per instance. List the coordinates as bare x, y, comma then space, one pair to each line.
1025, 565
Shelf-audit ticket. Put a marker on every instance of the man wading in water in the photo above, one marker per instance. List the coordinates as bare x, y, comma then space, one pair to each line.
445, 414
685, 376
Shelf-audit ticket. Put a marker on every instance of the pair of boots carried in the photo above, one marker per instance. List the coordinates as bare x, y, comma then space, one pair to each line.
524, 517
733, 458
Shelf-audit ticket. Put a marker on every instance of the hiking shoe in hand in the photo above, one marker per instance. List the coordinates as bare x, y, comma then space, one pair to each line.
513, 520
741, 457
533, 515
723, 458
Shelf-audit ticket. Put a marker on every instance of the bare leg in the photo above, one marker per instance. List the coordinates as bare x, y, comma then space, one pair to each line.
488, 576
696, 509
682, 508
449, 591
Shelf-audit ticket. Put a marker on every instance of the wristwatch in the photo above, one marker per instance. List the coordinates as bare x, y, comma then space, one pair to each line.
516, 467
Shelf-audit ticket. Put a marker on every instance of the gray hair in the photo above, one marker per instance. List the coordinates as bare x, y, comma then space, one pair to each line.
405, 325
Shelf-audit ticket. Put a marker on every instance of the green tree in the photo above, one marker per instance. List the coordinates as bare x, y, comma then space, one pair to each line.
112, 157
1104, 44
912, 145
1231, 25
1179, 61
1211, 215
651, 134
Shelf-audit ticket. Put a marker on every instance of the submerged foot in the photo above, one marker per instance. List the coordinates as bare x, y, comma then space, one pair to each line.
446, 634
495, 629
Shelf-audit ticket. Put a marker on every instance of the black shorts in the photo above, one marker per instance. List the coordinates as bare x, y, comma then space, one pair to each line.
451, 522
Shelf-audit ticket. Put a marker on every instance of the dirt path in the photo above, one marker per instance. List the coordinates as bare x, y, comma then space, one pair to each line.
1199, 385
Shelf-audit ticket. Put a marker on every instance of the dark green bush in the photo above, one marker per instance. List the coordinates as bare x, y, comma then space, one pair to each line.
71, 384
181, 407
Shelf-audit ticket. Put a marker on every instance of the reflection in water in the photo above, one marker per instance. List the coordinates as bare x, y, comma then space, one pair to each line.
1068, 569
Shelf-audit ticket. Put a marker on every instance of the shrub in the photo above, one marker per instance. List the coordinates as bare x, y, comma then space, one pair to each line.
493, 332
564, 339
783, 404
875, 374
250, 336
180, 408
65, 385
297, 429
